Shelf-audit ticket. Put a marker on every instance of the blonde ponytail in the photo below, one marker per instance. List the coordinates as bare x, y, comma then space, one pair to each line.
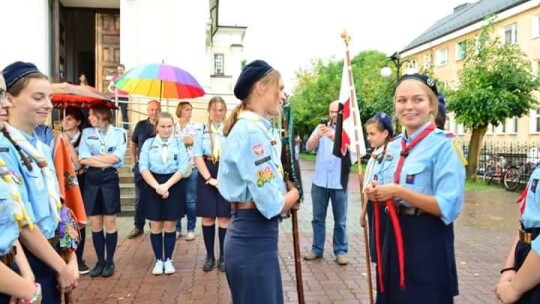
231, 120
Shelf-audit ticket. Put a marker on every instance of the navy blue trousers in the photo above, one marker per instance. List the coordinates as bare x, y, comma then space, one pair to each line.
251, 258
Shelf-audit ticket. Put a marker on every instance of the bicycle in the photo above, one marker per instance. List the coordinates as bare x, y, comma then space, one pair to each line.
493, 169
515, 175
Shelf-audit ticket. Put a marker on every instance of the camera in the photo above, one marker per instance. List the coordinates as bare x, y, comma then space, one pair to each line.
324, 121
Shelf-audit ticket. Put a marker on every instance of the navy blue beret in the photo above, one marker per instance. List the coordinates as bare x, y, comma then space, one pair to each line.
430, 82
250, 75
386, 121
442, 109
18, 70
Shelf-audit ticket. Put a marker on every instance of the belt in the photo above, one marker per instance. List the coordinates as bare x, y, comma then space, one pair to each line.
243, 205
407, 210
209, 158
527, 237
9, 257
100, 169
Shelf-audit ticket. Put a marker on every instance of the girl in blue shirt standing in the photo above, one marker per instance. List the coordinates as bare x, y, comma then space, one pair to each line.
163, 162
417, 262
102, 151
379, 168
251, 178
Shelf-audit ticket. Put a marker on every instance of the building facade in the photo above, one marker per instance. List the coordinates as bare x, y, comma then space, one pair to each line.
442, 49
66, 38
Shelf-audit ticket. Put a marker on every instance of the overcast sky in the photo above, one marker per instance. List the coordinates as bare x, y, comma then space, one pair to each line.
289, 34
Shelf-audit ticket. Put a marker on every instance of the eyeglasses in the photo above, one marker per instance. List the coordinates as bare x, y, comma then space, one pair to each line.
3, 94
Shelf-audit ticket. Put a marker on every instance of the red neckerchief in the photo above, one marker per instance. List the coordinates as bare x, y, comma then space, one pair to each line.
523, 199
405, 149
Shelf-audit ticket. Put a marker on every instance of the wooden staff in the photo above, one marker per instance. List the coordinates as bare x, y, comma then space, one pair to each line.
352, 94
292, 173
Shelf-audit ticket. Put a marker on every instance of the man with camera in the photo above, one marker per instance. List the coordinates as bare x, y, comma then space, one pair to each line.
327, 185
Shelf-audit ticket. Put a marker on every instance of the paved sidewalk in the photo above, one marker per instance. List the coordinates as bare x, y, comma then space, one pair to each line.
483, 234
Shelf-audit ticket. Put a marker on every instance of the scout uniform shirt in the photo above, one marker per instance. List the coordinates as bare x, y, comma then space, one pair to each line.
531, 207
163, 156
97, 142
433, 167
251, 156
203, 145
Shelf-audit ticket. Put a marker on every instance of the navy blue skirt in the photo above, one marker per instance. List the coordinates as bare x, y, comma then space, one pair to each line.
522, 250
46, 277
158, 209
251, 255
371, 225
430, 264
102, 191
210, 203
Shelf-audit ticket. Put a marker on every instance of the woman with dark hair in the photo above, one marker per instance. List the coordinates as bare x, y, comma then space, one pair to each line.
102, 151
72, 124
210, 204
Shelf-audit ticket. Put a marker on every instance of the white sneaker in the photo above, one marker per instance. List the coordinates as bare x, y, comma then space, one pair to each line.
169, 268
158, 268
190, 236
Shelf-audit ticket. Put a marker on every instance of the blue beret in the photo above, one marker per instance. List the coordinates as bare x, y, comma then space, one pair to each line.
386, 122
18, 70
249, 76
428, 81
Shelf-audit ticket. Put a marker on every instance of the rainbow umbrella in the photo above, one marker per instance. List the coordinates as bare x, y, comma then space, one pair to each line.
160, 80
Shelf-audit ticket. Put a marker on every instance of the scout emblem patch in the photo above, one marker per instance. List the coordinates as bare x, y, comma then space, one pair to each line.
534, 184
258, 150
409, 179
262, 160
264, 176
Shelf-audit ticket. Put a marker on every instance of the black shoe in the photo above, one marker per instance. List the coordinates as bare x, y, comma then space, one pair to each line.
97, 270
136, 232
209, 264
83, 268
221, 265
108, 270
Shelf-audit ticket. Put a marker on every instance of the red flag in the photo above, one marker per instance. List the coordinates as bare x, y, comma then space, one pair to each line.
67, 181
350, 122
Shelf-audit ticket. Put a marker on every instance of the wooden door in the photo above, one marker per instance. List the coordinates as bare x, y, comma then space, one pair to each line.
107, 47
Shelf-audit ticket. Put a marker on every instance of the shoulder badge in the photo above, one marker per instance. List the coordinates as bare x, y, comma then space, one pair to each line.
459, 152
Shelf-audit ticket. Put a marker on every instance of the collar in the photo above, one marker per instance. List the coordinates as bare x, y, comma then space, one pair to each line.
31, 138
246, 114
415, 134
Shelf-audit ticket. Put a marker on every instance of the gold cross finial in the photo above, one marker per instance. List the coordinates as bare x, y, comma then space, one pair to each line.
346, 37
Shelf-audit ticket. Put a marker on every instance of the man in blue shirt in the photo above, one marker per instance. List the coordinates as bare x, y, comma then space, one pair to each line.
327, 185
143, 130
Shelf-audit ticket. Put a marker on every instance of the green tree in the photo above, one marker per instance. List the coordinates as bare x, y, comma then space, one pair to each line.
496, 83
320, 84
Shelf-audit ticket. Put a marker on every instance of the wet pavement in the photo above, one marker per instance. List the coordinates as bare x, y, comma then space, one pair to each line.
483, 234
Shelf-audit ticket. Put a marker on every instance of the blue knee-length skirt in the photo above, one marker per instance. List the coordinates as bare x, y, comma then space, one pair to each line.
251, 258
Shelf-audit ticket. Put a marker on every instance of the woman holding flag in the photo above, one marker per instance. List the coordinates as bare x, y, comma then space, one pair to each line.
418, 262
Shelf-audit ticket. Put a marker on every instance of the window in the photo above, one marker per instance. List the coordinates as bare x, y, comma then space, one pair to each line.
428, 61
509, 34
460, 129
442, 57
536, 67
219, 63
535, 26
511, 125
534, 121
461, 50
413, 64
490, 130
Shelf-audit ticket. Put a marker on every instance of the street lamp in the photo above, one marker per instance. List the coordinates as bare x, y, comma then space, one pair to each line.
386, 72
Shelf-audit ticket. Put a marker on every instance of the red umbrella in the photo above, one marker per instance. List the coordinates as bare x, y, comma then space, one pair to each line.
68, 95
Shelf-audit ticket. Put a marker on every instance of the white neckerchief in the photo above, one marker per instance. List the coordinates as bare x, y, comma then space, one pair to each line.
164, 148
37, 154
75, 137
258, 120
19, 212
216, 141
103, 140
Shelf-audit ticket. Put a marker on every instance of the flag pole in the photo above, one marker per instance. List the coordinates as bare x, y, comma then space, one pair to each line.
354, 105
